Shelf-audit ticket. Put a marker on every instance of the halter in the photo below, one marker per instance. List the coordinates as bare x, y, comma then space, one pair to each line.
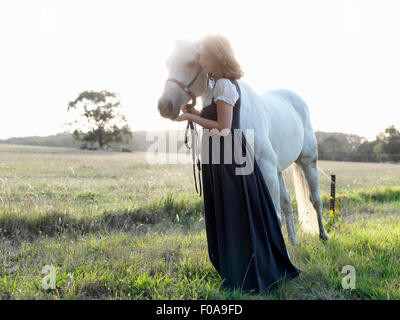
187, 88
193, 130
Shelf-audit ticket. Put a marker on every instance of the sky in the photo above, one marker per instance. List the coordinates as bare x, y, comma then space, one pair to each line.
341, 57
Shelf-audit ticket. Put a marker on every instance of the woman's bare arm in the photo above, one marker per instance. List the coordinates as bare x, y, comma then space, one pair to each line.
225, 113
195, 111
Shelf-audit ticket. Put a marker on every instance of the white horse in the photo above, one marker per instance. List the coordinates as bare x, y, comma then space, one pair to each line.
283, 137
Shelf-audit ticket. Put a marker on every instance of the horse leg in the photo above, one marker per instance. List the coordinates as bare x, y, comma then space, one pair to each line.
269, 172
287, 209
309, 166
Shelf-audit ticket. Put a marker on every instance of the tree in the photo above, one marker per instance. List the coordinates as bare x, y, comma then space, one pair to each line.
366, 151
332, 147
388, 147
338, 146
101, 121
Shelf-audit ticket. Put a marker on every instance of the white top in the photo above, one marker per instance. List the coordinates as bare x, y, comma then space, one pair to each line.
224, 90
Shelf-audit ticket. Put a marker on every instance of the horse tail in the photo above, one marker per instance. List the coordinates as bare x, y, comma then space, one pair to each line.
306, 213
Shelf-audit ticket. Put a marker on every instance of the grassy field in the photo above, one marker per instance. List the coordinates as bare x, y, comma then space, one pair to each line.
116, 227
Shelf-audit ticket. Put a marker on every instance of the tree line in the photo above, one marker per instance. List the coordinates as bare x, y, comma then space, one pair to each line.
339, 146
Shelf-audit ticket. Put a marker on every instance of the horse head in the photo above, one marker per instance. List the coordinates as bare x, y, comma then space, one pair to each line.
185, 79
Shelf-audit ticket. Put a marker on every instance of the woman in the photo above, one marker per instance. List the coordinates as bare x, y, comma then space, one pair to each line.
245, 242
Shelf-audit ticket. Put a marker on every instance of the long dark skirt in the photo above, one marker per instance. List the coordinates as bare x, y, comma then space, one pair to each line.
245, 242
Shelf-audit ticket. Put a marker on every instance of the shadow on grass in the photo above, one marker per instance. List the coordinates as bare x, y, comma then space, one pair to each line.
167, 211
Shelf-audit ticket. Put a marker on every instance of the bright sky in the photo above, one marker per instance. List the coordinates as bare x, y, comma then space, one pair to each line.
342, 57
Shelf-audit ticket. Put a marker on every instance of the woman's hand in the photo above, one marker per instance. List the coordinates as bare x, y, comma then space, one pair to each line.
187, 109
183, 117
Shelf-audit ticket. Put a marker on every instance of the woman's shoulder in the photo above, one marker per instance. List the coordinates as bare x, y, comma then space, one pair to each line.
224, 85
226, 90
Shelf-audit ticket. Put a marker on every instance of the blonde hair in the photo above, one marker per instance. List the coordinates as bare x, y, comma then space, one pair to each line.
221, 50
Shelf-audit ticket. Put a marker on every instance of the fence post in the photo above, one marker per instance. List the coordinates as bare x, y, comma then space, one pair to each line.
332, 199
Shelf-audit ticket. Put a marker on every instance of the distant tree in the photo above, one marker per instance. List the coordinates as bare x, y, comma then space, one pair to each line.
338, 146
365, 151
332, 147
102, 123
323, 154
388, 146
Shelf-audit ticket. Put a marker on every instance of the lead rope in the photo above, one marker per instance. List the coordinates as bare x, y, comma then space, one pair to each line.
195, 152
322, 171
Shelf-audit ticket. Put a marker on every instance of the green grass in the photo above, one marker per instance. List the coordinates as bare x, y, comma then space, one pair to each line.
116, 227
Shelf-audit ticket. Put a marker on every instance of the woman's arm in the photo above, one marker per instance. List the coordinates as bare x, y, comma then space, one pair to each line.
196, 112
224, 112
204, 122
